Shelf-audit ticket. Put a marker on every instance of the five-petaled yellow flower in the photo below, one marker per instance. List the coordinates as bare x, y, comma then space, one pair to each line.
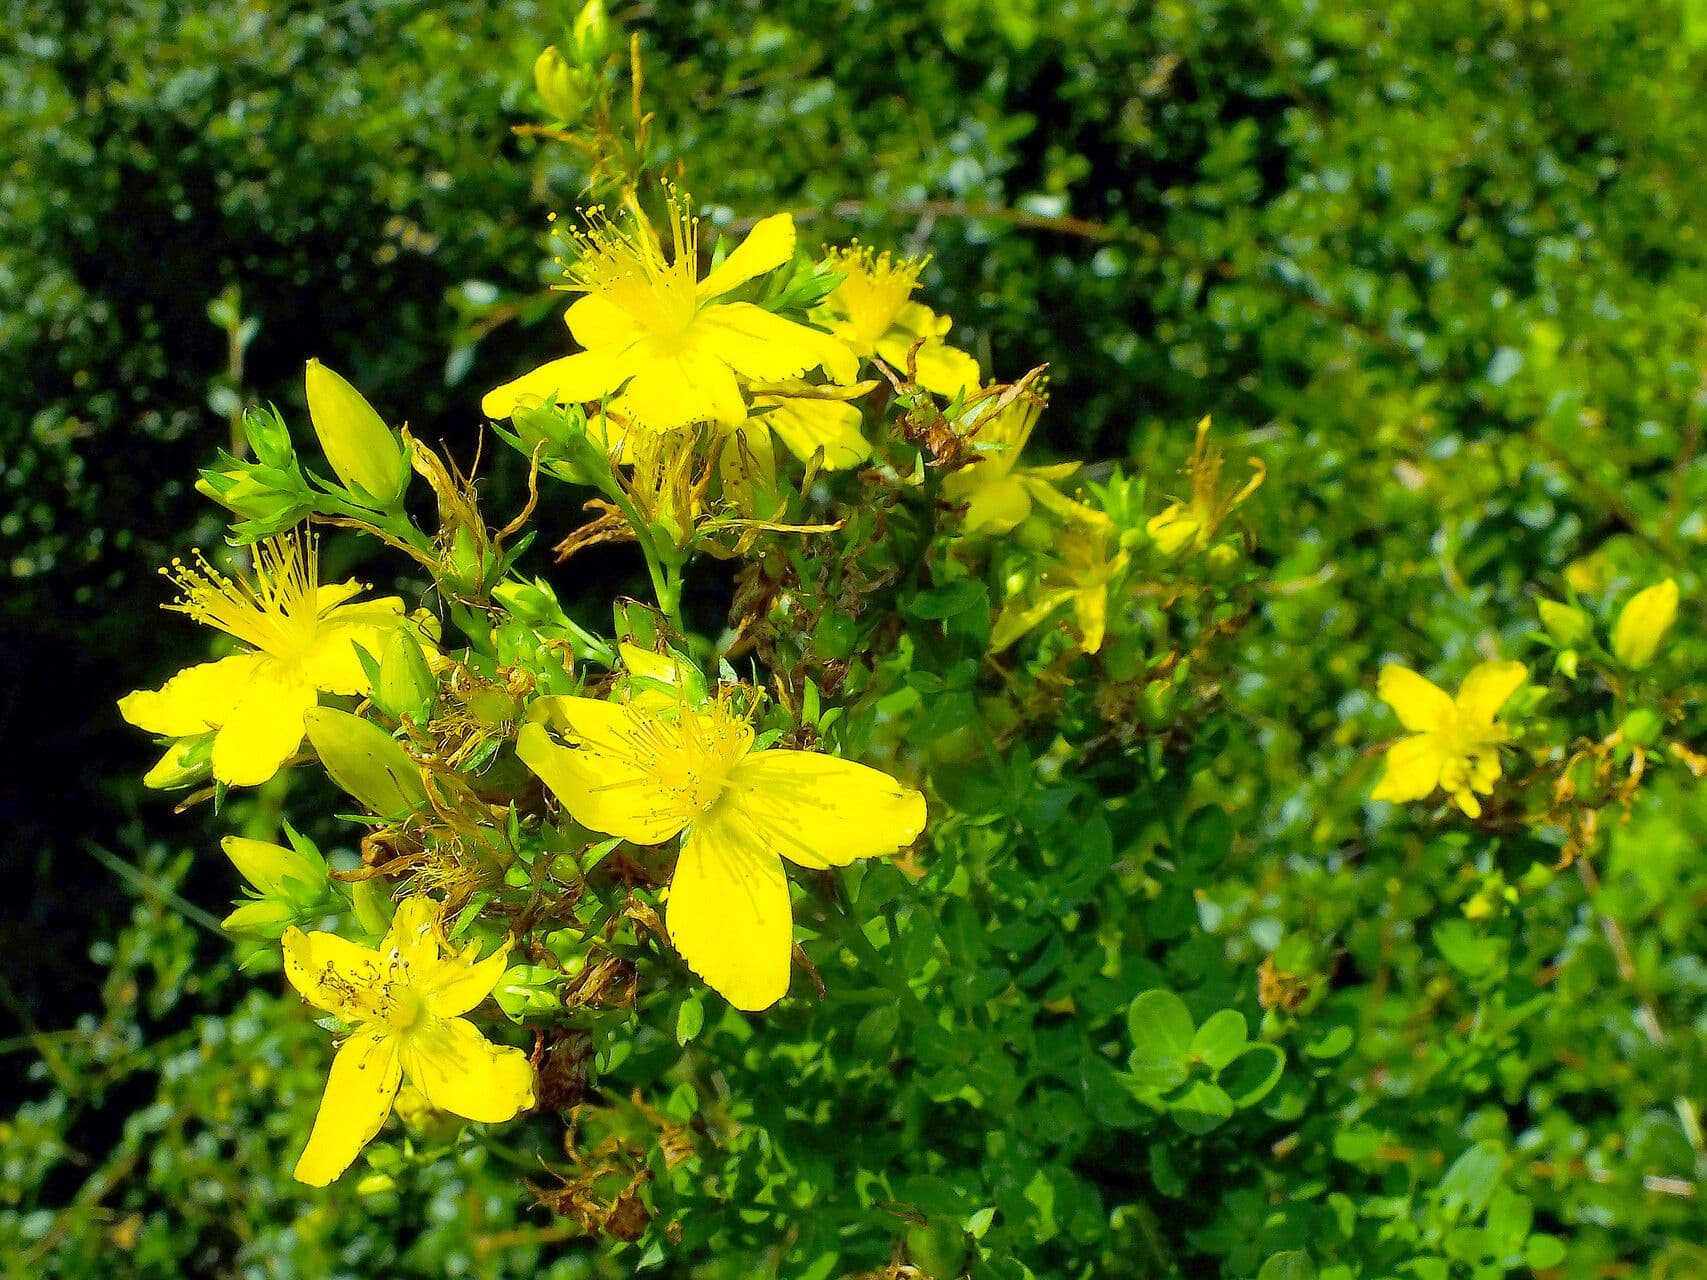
664, 337
872, 311
997, 492
303, 639
646, 772
1455, 742
406, 1000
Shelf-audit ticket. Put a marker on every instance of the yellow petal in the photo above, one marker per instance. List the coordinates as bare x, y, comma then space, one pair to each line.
768, 245
762, 346
263, 729
414, 935
728, 913
805, 426
333, 974
691, 385
1486, 689
1018, 617
358, 1098
195, 700
457, 984
998, 506
462, 1072
1420, 704
596, 321
1090, 609
1413, 769
823, 811
332, 663
598, 781
587, 375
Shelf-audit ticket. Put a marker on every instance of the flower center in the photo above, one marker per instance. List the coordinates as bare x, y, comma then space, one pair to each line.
876, 288
275, 610
625, 266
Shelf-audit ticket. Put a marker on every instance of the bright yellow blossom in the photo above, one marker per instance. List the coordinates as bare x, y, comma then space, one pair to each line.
303, 639
996, 491
871, 310
655, 331
1455, 741
406, 999
645, 773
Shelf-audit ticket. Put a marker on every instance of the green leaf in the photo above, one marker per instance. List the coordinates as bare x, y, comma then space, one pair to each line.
948, 601
1161, 1030
1294, 1264
690, 1017
1543, 1251
1201, 1108
1471, 1180
1257, 1071
1220, 1039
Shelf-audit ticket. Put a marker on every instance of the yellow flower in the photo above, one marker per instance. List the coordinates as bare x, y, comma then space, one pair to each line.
302, 638
650, 328
644, 773
406, 999
1643, 623
871, 310
1455, 741
1082, 579
996, 491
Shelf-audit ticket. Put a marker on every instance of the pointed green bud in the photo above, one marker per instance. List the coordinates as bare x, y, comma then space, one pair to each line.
559, 86
528, 990
406, 686
268, 437
366, 761
367, 455
187, 761
1566, 626
1643, 623
261, 917
591, 34
293, 874
1642, 727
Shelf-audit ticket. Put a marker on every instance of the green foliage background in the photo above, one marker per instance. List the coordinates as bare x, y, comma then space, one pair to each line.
1437, 264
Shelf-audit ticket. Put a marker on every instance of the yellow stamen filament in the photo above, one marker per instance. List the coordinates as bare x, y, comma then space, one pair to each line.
625, 266
275, 609
685, 761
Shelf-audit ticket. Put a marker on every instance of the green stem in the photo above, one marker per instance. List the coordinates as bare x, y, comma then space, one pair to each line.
851, 932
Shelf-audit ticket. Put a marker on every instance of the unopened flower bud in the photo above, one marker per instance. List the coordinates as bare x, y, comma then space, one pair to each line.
1643, 623
366, 761
406, 684
591, 33
294, 874
559, 86
366, 454
1173, 530
528, 990
1565, 625
268, 437
186, 762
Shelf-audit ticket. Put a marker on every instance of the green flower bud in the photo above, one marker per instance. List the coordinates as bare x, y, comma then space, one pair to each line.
558, 85
1174, 530
1566, 626
527, 990
406, 685
367, 455
293, 874
372, 904
366, 761
262, 918
268, 437
1641, 727
1643, 623
591, 34
186, 762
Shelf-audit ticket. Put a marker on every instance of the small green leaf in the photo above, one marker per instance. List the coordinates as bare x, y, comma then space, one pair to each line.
1220, 1039
1257, 1070
1294, 1264
1201, 1108
1161, 1038
690, 1017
